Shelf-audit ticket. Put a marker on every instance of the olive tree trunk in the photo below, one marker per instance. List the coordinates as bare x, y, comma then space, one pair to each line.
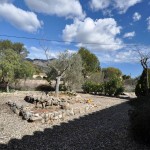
7, 87
57, 85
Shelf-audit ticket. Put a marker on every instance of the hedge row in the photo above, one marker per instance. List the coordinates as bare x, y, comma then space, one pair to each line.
112, 87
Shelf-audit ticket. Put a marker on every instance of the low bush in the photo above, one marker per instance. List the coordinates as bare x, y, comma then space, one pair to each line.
45, 88
89, 87
119, 91
141, 87
62, 87
112, 87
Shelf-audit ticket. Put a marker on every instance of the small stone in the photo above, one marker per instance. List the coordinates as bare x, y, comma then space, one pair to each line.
27, 115
35, 119
65, 105
36, 115
70, 112
76, 111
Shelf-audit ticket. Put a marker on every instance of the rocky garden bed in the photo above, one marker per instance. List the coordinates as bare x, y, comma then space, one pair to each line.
47, 108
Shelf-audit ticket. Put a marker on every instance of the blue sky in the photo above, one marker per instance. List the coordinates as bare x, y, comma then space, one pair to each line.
108, 28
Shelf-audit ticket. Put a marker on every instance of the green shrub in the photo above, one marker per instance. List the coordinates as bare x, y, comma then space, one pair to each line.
119, 91
45, 88
100, 88
89, 87
141, 87
62, 87
113, 87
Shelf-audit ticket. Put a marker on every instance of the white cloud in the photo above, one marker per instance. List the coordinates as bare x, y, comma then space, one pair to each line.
19, 18
148, 23
126, 56
107, 12
99, 4
62, 8
36, 53
100, 34
124, 5
136, 16
129, 54
123, 56
39, 53
121, 5
129, 35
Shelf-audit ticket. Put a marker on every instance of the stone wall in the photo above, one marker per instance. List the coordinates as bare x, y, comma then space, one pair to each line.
48, 108
48, 117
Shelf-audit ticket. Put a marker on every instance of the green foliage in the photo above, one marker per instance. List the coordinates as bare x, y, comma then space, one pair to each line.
62, 87
119, 91
45, 88
90, 61
95, 77
17, 47
113, 87
69, 67
89, 87
9, 62
58, 67
12, 63
111, 72
126, 77
25, 69
51, 74
141, 87
73, 76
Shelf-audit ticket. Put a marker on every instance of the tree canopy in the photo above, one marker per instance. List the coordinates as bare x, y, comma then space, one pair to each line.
68, 67
111, 72
19, 48
90, 61
9, 62
24, 70
12, 62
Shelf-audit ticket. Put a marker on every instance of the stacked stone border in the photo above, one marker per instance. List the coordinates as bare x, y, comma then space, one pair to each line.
65, 110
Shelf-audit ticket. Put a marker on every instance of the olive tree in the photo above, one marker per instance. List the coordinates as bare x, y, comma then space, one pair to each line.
9, 62
73, 76
67, 66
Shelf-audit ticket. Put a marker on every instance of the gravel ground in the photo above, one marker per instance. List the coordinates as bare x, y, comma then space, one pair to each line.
105, 129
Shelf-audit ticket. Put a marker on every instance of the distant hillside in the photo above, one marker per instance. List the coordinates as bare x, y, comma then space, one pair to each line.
40, 63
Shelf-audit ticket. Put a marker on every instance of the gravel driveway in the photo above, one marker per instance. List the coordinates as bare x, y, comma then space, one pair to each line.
106, 129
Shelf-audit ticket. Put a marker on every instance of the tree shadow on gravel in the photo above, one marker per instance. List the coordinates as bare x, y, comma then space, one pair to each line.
103, 130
